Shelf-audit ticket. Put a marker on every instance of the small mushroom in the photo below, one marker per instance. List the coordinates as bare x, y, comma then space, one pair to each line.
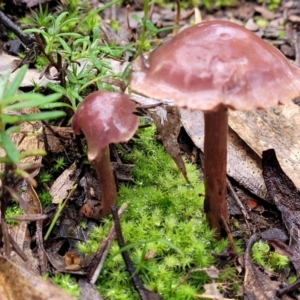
104, 118
213, 66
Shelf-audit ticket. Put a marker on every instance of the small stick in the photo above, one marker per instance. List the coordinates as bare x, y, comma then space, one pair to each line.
97, 262
177, 18
27, 40
229, 235
17, 248
239, 203
290, 288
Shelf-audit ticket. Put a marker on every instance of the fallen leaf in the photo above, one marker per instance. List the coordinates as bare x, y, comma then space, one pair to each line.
63, 184
16, 283
272, 128
167, 121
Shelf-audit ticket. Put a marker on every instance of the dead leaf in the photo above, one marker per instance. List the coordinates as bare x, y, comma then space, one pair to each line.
58, 138
287, 198
212, 292
167, 121
272, 128
63, 184
16, 283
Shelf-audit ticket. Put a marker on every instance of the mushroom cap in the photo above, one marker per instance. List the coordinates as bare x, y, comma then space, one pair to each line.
104, 118
217, 62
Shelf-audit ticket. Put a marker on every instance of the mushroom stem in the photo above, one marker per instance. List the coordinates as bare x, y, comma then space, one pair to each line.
215, 156
106, 180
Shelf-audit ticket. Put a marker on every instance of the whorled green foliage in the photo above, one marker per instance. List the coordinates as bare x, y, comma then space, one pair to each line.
161, 207
270, 260
66, 282
11, 105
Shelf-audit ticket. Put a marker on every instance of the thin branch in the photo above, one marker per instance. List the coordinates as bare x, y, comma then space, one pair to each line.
98, 260
144, 293
26, 39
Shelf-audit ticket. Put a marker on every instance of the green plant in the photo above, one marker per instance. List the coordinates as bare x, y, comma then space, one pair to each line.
75, 51
66, 282
12, 113
270, 260
272, 4
10, 104
11, 36
161, 206
45, 198
59, 164
45, 176
12, 210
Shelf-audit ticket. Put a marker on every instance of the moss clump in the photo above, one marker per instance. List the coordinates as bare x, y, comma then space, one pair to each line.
162, 210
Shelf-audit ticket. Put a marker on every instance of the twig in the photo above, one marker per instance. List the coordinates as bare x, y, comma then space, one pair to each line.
177, 18
297, 50
290, 288
229, 235
238, 203
17, 248
26, 39
98, 260
144, 293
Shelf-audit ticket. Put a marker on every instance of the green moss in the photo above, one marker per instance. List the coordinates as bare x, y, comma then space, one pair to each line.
161, 207
12, 210
66, 282
270, 260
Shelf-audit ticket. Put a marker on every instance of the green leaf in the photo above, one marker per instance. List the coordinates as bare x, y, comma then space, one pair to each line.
54, 105
14, 86
59, 19
8, 119
96, 36
66, 22
32, 100
81, 40
3, 84
151, 26
137, 18
11, 151
56, 88
65, 45
34, 30
69, 34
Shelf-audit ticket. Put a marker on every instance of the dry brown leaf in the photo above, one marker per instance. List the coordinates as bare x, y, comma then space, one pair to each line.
63, 184
16, 283
212, 292
167, 121
58, 138
273, 128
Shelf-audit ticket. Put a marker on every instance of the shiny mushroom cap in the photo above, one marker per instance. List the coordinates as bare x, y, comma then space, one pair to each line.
104, 118
217, 62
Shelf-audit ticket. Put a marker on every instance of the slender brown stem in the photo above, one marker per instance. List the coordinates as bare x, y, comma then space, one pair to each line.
106, 180
215, 157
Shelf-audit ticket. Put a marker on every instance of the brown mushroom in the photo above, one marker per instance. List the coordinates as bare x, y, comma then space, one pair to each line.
213, 66
104, 118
